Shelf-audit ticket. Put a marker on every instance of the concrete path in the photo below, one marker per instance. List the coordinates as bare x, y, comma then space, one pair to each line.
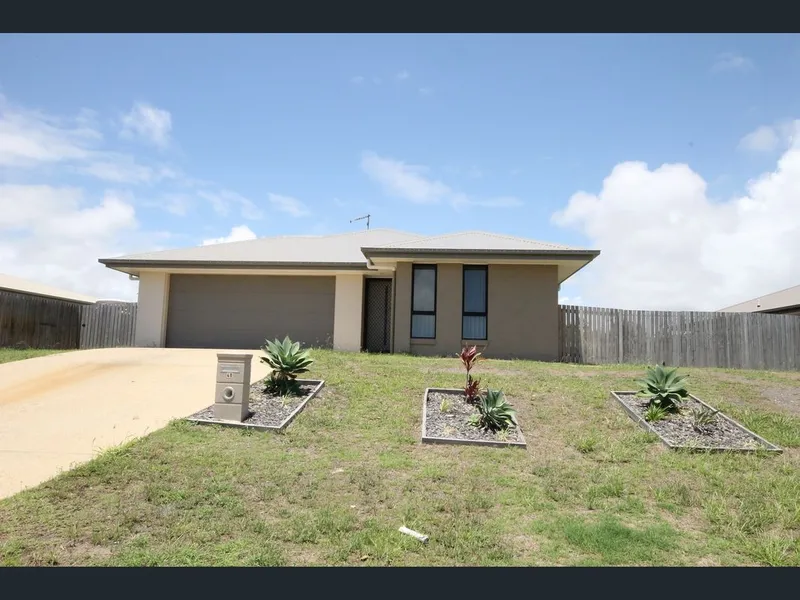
60, 410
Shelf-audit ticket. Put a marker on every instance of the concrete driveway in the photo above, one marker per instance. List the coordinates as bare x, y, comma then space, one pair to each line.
60, 410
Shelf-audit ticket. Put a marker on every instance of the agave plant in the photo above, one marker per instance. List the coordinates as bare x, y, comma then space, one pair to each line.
664, 387
494, 412
703, 418
469, 355
287, 360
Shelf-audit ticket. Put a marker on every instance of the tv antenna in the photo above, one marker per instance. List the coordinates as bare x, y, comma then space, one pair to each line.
361, 219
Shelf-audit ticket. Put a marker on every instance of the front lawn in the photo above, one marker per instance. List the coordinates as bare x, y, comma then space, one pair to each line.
12, 354
592, 488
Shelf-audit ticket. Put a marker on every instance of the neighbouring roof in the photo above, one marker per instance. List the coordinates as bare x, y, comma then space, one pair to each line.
787, 298
34, 288
355, 250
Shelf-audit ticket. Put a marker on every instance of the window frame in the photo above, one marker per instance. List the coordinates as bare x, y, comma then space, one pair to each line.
464, 313
424, 267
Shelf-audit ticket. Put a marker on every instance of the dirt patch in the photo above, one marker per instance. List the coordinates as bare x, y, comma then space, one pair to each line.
455, 421
677, 428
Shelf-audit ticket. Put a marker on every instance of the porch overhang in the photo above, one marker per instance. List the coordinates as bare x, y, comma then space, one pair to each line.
568, 262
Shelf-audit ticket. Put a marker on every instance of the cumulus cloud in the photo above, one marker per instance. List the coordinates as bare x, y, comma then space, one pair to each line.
402, 75
60, 234
414, 184
763, 139
239, 233
667, 246
288, 205
148, 123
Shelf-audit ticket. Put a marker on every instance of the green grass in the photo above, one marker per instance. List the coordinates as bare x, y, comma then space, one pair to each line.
12, 354
592, 488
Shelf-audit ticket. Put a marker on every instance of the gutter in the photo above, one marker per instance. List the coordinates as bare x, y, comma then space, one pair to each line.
114, 263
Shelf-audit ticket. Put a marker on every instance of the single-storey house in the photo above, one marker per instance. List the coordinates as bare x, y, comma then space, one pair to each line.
784, 302
377, 290
17, 285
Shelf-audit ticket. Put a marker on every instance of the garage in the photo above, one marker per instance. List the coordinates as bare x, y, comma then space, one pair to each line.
241, 311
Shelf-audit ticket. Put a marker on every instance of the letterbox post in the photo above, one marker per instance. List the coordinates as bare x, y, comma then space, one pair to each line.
232, 387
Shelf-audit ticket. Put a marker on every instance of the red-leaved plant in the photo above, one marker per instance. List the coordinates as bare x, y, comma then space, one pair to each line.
469, 355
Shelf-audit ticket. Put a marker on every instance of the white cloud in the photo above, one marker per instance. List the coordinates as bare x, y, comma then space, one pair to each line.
731, 61
59, 236
570, 300
425, 91
666, 245
357, 79
222, 200
239, 233
403, 180
289, 205
148, 123
402, 75
412, 183
763, 139
769, 138
30, 138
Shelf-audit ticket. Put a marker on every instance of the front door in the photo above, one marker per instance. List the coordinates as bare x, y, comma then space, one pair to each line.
377, 314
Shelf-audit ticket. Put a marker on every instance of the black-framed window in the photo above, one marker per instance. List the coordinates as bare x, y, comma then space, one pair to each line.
423, 301
475, 300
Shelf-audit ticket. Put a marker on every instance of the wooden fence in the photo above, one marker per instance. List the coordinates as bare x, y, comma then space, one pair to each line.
694, 339
28, 321
36, 322
108, 325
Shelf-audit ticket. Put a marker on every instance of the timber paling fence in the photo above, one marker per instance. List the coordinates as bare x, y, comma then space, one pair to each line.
592, 335
28, 321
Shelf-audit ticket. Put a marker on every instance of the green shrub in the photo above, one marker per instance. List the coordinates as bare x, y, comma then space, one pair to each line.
494, 412
655, 413
287, 360
664, 387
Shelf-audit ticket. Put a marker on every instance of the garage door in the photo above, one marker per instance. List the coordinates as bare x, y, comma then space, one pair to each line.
241, 311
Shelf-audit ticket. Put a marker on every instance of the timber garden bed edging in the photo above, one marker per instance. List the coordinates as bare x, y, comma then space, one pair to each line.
261, 402
761, 444
518, 442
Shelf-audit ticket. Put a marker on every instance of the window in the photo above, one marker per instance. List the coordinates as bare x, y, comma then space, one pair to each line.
475, 298
423, 301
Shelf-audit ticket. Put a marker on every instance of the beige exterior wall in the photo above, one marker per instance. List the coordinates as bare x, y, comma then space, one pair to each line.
347, 314
151, 316
522, 312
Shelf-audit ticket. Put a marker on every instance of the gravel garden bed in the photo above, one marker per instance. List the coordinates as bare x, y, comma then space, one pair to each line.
453, 427
268, 412
676, 430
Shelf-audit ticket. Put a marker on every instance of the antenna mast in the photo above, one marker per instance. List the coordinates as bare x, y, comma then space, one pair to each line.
361, 219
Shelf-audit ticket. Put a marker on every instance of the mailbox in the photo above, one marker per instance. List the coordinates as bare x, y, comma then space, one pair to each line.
231, 400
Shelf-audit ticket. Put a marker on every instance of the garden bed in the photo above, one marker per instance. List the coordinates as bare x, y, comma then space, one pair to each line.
676, 430
268, 411
453, 427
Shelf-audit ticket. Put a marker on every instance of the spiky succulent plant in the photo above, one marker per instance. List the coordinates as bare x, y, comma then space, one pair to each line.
664, 387
494, 412
287, 360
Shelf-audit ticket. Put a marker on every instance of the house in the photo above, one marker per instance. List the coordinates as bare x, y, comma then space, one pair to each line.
17, 285
784, 302
35, 315
377, 290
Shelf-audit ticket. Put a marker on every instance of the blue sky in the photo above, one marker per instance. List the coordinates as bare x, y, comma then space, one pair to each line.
155, 141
